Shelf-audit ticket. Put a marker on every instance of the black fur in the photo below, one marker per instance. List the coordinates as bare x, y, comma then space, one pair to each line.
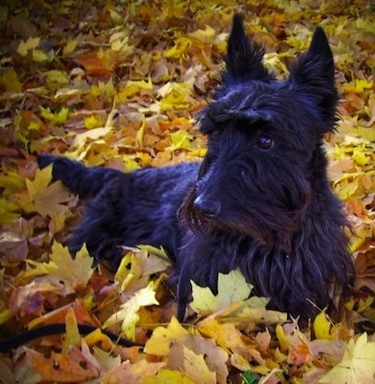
260, 200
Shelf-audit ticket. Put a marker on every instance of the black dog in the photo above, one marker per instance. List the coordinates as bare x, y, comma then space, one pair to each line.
259, 201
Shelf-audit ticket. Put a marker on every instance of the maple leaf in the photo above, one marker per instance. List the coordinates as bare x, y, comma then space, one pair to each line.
73, 272
58, 117
34, 367
57, 79
138, 372
180, 47
44, 197
193, 364
232, 287
357, 365
162, 340
167, 376
138, 265
128, 314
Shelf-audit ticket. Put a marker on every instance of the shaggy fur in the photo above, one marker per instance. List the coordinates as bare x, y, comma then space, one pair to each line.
260, 200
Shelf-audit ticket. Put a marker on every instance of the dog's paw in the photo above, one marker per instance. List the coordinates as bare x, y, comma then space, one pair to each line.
45, 159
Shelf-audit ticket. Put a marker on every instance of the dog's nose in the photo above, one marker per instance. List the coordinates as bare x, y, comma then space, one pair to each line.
207, 207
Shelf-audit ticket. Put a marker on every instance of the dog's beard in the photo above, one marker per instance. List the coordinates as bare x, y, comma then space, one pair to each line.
260, 226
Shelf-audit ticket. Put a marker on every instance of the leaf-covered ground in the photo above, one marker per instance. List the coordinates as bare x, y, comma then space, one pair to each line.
117, 83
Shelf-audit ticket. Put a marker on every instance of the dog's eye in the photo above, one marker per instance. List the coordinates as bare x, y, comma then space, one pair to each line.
264, 142
213, 135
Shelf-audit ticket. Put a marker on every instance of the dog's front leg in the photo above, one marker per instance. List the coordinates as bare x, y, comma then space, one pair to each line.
183, 291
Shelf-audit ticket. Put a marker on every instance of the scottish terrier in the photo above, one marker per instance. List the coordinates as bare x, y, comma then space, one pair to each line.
260, 200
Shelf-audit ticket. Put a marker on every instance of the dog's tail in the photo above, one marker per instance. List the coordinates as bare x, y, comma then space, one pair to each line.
80, 180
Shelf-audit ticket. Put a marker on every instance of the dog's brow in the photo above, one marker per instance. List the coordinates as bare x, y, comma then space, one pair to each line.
223, 113
240, 104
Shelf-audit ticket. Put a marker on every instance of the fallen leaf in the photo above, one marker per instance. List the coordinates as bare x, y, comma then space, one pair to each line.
357, 365
232, 287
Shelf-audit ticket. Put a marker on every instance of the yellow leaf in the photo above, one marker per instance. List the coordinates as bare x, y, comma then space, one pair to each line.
93, 134
175, 96
58, 117
366, 133
8, 211
225, 334
357, 365
39, 56
140, 132
160, 252
97, 337
347, 188
167, 376
204, 35
366, 24
274, 60
70, 47
29, 45
105, 90
128, 314
137, 265
10, 80
55, 78
181, 46
162, 338
281, 336
73, 337
357, 85
322, 326
132, 372
93, 122
359, 156
142, 84
119, 44
172, 342
180, 140
73, 271
194, 365
5, 315
42, 197
11, 182
128, 270
232, 287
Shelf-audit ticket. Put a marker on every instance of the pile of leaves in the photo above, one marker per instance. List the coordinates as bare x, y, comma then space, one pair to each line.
117, 83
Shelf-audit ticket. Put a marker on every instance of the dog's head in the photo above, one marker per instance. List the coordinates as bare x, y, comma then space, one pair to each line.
264, 154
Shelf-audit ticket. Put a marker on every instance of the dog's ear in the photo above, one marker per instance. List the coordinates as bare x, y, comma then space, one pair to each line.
244, 58
315, 70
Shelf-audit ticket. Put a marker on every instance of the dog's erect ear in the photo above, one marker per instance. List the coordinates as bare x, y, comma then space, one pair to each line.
316, 65
315, 70
244, 58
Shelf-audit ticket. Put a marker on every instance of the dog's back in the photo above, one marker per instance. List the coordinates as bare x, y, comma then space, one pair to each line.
125, 208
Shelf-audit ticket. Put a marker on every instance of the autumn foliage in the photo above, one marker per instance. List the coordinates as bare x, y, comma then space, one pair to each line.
117, 83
